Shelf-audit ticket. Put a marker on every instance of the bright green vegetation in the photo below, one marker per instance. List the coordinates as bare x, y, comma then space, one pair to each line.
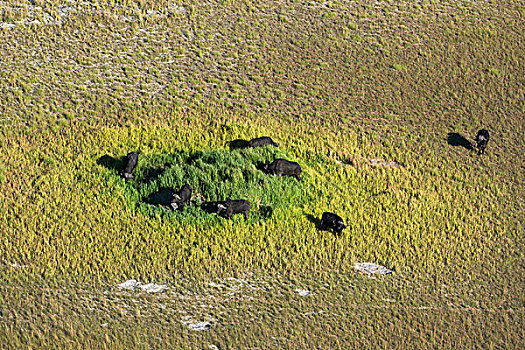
336, 84
213, 176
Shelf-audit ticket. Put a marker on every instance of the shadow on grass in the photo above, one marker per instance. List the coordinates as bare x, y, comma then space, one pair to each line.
454, 139
265, 212
211, 207
152, 174
314, 220
260, 166
112, 163
162, 197
237, 144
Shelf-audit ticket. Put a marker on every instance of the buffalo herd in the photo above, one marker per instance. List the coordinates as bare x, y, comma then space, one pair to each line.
329, 221
179, 199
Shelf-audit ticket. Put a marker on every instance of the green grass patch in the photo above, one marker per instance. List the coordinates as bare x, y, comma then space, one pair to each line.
214, 175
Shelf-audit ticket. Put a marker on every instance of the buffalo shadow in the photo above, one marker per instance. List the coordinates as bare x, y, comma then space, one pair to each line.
237, 144
261, 166
265, 212
211, 207
162, 197
314, 220
152, 174
454, 139
112, 163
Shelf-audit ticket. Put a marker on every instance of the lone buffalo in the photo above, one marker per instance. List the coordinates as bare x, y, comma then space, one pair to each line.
131, 162
262, 141
331, 221
181, 198
284, 167
234, 206
482, 138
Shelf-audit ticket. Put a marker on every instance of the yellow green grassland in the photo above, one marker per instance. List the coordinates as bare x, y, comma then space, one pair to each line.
338, 85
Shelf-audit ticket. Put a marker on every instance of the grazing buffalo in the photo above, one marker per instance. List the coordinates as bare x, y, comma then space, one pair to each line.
131, 162
284, 167
181, 198
331, 221
262, 141
482, 138
236, 206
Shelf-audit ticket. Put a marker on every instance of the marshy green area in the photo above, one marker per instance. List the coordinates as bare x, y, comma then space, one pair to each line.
361, 94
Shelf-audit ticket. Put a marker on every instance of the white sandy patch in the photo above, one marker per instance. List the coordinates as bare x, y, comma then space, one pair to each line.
303, 292
154, 288
372, 269
176, 9
17, 266
195, 325
199, 326
216, 285
130, 285
38, 15
149, 288
4, 25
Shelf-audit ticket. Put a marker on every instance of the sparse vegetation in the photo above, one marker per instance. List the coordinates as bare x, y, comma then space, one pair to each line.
337, 84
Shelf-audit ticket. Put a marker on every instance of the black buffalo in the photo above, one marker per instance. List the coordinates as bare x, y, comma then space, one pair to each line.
234, 206
131, 162
284, 167
262, 141
482, 139
181, 198
331, 221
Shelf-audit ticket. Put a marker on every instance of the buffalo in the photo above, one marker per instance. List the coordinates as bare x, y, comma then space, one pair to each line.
262, 141
331, 221
482, 139
131, 162
234, 206
284, 167
181, 198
